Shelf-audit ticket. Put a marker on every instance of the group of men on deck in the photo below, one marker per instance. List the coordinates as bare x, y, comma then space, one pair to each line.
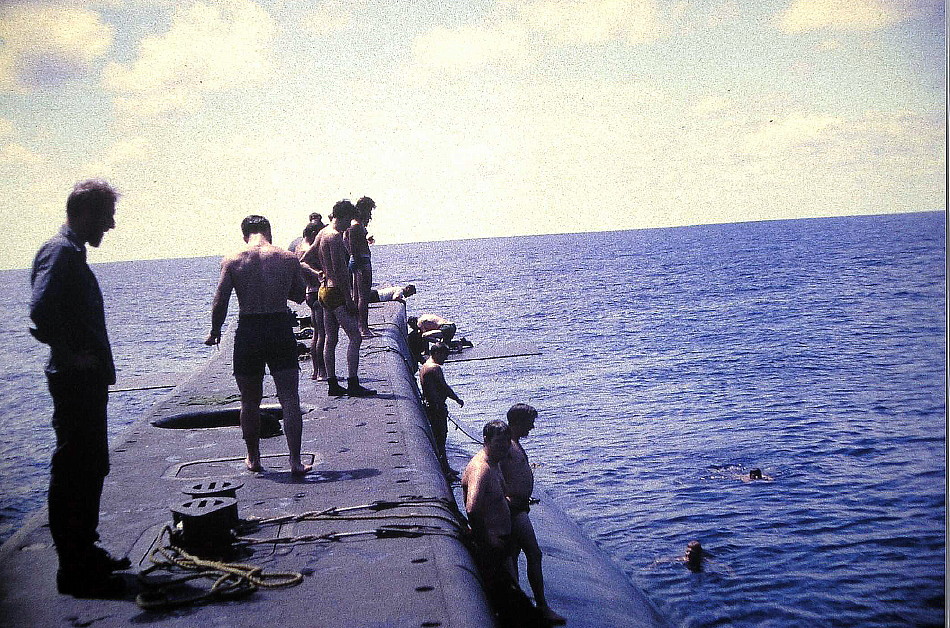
67, 310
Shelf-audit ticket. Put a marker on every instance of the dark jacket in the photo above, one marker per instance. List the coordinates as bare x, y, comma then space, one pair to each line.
66, 306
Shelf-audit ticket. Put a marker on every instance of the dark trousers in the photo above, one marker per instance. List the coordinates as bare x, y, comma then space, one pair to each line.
79, 465
439, 422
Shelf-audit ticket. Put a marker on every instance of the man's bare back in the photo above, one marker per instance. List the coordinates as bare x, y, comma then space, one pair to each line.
264, 277
333, 258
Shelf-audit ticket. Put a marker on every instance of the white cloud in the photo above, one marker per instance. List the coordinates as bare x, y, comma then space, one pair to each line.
468, 48
593, 21
329, 17
6, 129
47, 46
847, 15
521, 29
14, 154
208, 48
795, 131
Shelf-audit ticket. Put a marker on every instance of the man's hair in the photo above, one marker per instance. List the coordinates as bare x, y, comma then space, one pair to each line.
255, 224
409, 290
91, 195
344, 210
495, 428
364, 209
316, 217
439, 348
311, 230
521, 413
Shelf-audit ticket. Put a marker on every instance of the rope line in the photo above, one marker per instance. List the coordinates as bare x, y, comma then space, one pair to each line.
231, 580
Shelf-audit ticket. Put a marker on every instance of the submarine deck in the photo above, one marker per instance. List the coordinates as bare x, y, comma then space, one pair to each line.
403, 565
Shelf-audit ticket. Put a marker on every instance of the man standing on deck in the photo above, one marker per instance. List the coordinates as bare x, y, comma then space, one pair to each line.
519, 484
483, 490
435, 390
67, 309
336, 297
264, 277
314, 282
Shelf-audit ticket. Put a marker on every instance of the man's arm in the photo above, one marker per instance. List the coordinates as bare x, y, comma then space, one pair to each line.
449, 393
219, 306
311, 274
438, 381
298, 287
311, 257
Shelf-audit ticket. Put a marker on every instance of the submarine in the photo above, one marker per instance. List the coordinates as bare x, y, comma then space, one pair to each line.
372, 536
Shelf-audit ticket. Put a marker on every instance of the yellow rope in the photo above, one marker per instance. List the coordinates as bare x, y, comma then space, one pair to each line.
230, 579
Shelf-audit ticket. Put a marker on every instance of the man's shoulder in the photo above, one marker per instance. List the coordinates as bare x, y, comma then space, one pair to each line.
283, 254
58, 249
478, 465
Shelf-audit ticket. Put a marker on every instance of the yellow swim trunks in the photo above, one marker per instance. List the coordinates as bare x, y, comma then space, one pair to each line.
331, 297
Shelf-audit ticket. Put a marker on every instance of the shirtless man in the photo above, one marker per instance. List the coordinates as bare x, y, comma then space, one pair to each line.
519, 482
434, 327
483, 489
313, 290
264, 277
360, 264
435, 391
335, 296
392, 293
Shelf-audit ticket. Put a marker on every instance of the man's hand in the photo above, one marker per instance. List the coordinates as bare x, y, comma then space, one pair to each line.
459, 401
214, 338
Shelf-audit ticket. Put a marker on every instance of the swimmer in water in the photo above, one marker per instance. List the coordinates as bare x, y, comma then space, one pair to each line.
755, 475
697, 560
694, 556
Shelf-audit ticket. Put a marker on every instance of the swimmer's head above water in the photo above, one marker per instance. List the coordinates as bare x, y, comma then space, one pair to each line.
694, 556
755, 474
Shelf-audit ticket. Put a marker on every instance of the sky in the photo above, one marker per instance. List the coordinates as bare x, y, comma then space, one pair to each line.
481, 118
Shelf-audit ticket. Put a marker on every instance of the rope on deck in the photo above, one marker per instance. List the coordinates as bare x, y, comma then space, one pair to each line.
230, 580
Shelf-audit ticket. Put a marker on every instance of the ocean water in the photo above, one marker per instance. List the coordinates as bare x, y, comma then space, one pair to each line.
674, 361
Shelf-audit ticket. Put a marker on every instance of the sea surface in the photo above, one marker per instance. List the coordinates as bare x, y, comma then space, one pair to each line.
674, 362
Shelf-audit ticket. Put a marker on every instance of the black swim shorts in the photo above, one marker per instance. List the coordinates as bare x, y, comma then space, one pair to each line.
265, 339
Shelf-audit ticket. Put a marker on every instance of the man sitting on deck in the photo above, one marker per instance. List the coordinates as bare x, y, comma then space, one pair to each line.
519, 484
264, 277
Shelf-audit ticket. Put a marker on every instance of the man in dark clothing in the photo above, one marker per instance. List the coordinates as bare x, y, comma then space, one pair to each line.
66, 307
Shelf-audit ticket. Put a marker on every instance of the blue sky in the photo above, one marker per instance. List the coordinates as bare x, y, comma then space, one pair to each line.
483, 118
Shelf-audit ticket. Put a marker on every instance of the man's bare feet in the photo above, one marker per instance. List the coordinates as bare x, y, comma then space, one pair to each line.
300, 469
253, 465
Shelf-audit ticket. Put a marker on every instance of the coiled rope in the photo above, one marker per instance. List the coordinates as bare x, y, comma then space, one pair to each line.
230, 580
233, 580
